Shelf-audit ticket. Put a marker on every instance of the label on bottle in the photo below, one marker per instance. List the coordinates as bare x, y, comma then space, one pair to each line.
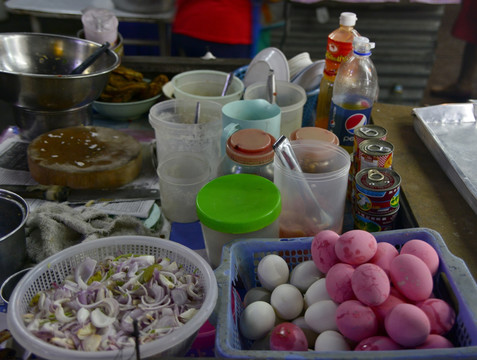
347, 117
336, 53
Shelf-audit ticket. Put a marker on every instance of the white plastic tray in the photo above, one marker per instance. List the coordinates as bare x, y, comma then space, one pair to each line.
450, 133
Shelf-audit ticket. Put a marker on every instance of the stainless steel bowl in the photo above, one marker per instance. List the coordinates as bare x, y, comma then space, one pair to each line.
144, 6
34, 71
13, 216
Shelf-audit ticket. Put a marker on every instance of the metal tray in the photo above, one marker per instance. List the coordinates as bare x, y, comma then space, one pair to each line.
450, 132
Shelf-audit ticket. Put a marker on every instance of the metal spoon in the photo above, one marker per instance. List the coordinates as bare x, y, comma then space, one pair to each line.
228, 81
197, 113
90, 59
271, 87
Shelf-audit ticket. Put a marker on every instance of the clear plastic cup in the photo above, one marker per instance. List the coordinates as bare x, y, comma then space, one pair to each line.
175, 129
313, 200
181, 176
202, 85
290, 98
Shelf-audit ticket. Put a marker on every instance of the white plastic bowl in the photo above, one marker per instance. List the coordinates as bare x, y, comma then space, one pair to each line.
57, 267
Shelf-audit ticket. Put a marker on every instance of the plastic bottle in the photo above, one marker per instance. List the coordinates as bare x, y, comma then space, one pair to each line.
339, 47
354, 93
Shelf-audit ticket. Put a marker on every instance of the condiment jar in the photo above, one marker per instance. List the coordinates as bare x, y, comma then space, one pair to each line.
249, 151
314, 133
237, 206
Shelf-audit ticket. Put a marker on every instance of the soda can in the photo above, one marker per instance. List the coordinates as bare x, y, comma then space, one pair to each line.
367, 132
374, 222
377, 190
374, 153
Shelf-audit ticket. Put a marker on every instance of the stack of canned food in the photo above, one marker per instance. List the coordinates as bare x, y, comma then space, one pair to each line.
374, 185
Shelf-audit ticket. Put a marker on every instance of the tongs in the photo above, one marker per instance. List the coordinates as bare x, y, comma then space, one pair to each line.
287, 157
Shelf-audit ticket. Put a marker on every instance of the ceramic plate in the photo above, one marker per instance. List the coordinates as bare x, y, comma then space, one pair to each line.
269, 58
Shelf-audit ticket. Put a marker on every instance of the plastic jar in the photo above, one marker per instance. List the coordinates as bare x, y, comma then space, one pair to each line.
314, 133
248, 151
237, 206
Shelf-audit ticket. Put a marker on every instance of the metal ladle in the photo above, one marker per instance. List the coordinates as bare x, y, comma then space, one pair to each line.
90, 59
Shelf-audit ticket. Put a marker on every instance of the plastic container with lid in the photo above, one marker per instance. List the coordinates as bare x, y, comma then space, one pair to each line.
314, 133
248, 151
237, 206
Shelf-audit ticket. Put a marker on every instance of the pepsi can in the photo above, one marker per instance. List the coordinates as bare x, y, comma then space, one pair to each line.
346, 118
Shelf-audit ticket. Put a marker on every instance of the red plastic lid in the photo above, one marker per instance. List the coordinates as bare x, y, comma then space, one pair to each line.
314, 133
251, 147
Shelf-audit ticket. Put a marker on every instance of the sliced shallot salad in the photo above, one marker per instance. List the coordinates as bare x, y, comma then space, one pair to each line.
96, 306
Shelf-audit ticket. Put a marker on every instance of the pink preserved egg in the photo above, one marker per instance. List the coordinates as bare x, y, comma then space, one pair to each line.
323, 250
288, 337
440, 314
356, 247
435, 341
370, 284
377, 343
407, 325
356, 321
383, 309
423, 251
411, 276
338, 282
384, 255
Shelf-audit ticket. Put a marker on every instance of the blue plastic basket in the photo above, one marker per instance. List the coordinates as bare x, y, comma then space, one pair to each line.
237, 273
309, 109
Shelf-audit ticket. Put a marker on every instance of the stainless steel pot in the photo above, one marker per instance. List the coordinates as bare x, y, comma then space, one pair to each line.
13, 215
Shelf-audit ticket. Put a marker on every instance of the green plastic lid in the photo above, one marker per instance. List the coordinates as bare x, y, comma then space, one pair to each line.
238, 203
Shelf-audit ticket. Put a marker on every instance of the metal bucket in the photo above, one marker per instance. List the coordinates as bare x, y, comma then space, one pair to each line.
13, 215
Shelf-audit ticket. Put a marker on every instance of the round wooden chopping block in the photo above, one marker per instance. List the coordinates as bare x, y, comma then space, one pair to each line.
85, 157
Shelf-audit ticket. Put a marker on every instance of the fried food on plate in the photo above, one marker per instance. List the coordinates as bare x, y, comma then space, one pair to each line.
126, 84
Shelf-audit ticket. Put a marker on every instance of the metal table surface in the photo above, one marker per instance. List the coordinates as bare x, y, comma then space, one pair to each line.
433, 199
73, 9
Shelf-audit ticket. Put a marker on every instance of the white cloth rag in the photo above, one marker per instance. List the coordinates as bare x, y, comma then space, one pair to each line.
53, 227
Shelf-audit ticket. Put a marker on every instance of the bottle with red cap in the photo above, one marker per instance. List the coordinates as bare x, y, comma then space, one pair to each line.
338, 49
248, 151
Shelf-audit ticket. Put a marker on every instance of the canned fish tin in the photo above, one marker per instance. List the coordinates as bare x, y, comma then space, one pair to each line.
372, 222
374, 153
367, 132
377, 190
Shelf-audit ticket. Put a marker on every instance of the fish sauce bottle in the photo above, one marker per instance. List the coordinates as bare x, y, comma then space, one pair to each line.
338, 49
354, 93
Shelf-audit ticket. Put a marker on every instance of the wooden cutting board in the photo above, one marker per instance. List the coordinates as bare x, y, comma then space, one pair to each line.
84, 157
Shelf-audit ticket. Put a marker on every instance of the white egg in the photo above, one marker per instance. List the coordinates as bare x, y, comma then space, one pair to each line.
316, 292
320, 316
287, 301
330, 340
257, 320
256, 294
272, 271
305, 274
310, 334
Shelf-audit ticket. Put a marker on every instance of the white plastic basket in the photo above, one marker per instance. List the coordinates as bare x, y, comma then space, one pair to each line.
58, 266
